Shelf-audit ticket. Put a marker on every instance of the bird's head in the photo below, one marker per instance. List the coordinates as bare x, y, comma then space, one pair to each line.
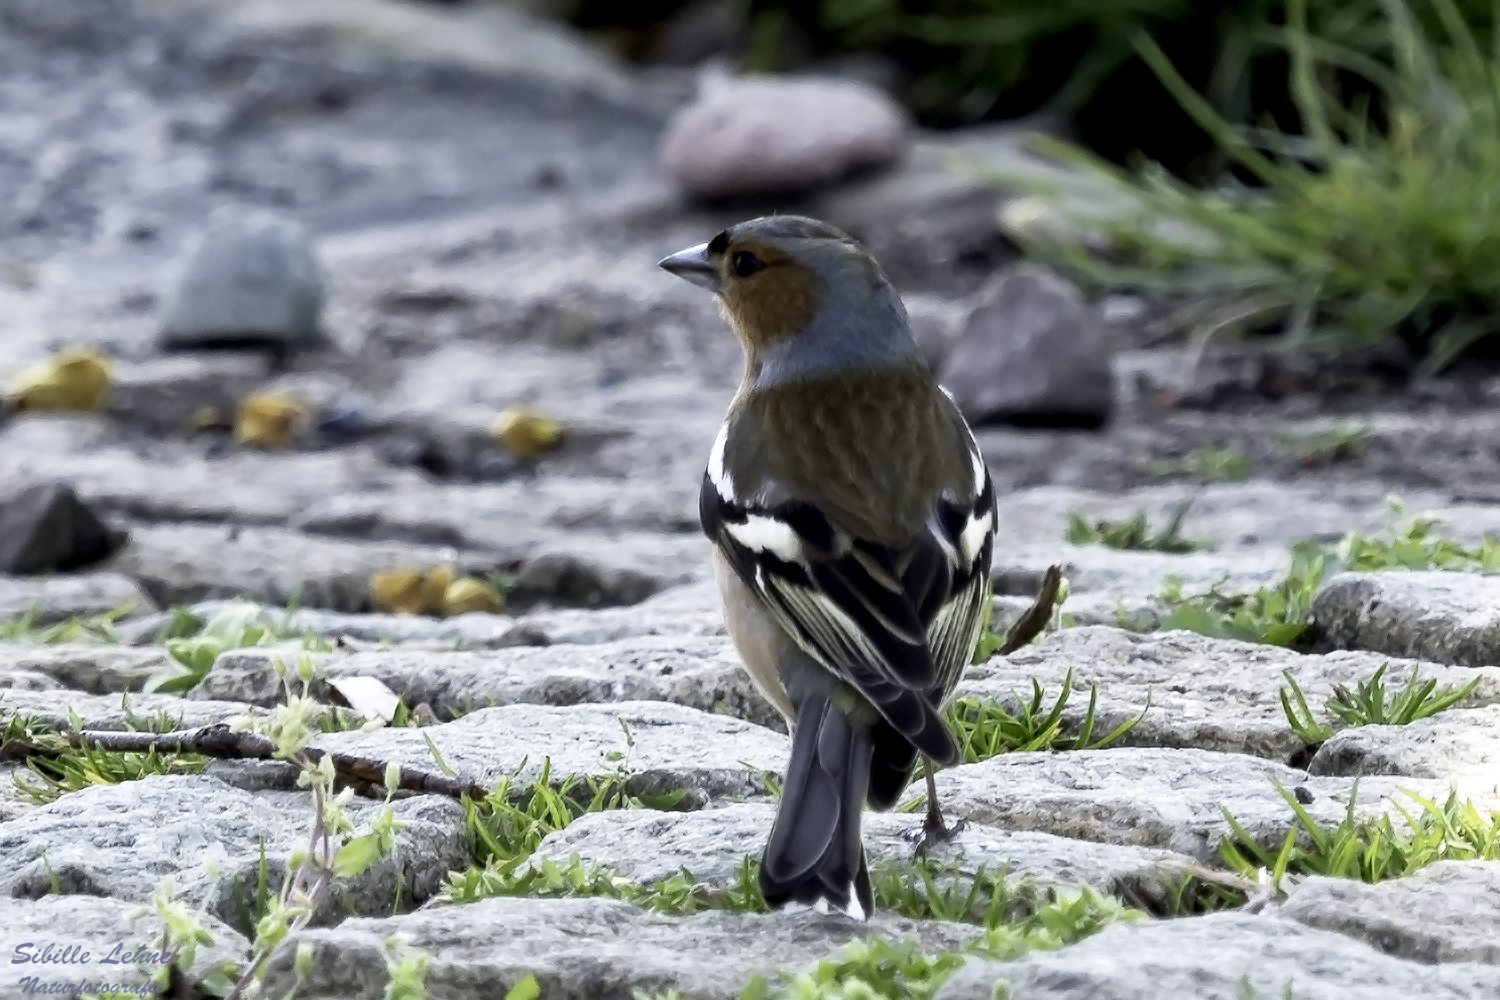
802, 297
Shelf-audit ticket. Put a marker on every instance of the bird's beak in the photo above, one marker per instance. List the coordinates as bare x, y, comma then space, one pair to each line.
693, 265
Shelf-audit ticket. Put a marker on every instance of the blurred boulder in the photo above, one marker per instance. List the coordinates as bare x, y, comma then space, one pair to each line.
1032, 353
46, 528
250, 280
934, 222
91, 25
936, 323
500, 41
766, 136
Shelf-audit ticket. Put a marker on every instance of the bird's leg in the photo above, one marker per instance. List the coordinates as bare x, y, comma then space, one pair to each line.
934, 829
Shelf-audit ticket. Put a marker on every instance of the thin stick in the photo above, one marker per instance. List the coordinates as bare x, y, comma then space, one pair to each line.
220, 742
1030, 625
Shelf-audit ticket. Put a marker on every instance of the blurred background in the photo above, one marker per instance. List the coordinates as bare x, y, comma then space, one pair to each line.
353, 304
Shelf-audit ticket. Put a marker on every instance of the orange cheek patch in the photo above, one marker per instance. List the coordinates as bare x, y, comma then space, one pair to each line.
774, 302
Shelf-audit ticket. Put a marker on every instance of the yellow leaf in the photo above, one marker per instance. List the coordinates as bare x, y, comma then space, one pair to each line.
411, 592
472, 594
75, 379
526, 432
270, 420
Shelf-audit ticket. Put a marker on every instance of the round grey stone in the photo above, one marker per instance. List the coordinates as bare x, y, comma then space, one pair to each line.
249, 279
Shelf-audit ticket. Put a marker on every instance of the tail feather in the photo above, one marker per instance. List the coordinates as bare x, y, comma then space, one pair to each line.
890, 772
815, 854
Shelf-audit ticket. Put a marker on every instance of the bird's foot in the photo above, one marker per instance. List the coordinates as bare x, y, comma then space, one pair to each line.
934, 831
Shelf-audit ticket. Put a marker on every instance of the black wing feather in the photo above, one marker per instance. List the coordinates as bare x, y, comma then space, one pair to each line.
899, 626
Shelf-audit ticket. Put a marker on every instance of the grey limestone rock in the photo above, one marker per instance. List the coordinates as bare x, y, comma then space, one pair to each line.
769, 135
93, 669
1095, 569
1217, 956
13, 798
273, 565
1032, 352
1458, 745
175, 481
250, 277
46, 528
1170, 799
1435, 615
500, 42
120, 841
475, 630
107, 933
118, 712
52, 599
1446, 912
661, 748
1235, 516
608, 625
1213, 694
712, 843
584, 948
164, 395
700, 673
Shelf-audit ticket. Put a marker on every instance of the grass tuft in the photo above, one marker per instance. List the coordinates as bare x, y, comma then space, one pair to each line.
902, 971
1370, 850
1206, 462
98, 628
1276, 616
1368, 703
1134, 533
57, 767
1380, 224
1280, 615
986, 728
506, 827
195, 644
1410, 543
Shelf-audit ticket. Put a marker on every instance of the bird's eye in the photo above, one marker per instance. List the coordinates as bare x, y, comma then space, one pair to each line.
745, 263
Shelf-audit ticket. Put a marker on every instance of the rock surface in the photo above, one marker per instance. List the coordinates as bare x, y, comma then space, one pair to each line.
56, 599
1448, 617
1207, 693
1170, 799
583, 947
711, 844
106, 931
1441, 914
759, 136
117, 712
47, 528
660, 748
96, 669
1032, 353
138, 834
1457, 745
250, 278
1215, 956
700, 673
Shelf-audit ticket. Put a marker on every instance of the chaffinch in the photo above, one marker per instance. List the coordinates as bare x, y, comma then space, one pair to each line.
853, 521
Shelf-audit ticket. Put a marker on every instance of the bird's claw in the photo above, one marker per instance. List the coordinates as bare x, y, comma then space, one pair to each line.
934, 831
